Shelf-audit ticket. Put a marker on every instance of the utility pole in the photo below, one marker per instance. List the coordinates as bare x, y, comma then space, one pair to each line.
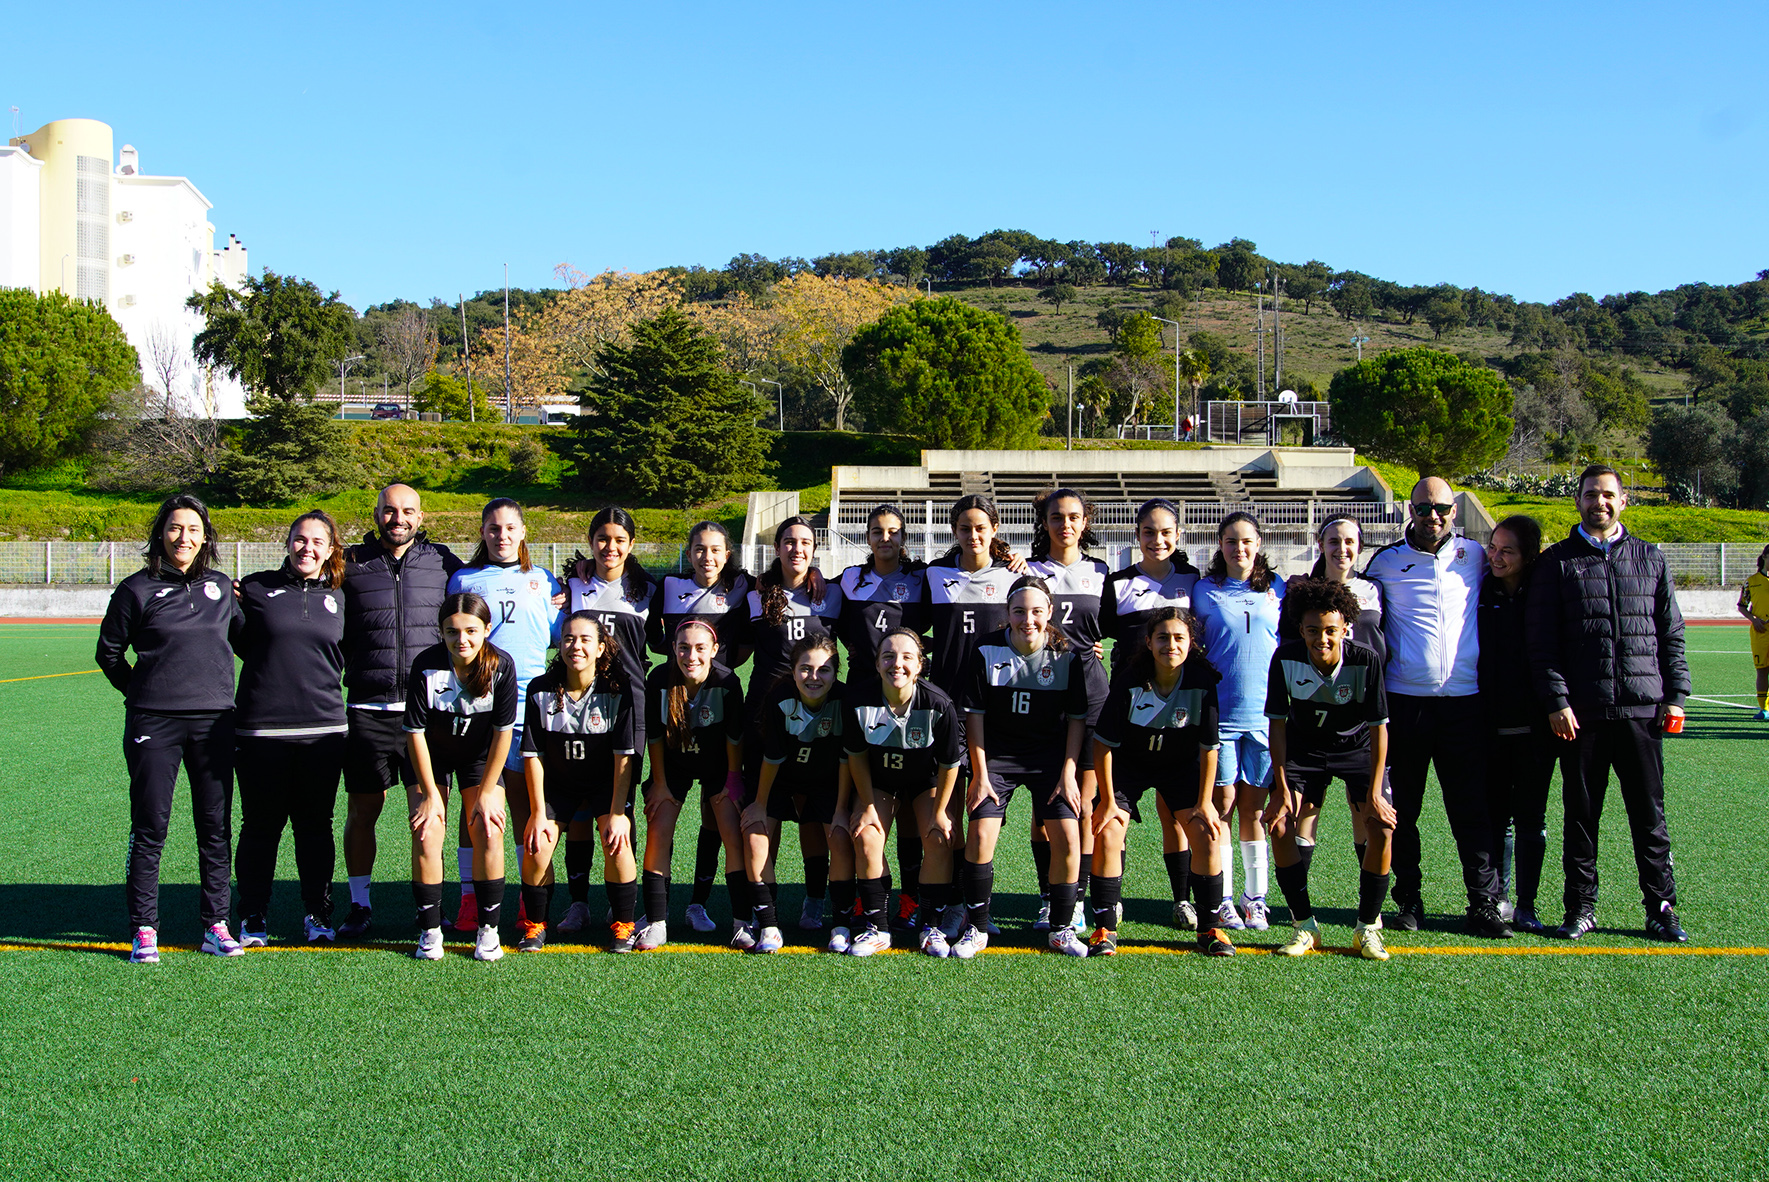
1259, 332
509, 390
1277, 333
466, 357
1071, 445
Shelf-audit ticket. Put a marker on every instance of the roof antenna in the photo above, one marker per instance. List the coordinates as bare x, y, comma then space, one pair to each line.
16, 129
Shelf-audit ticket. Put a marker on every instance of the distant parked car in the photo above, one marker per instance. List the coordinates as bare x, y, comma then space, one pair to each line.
386, 410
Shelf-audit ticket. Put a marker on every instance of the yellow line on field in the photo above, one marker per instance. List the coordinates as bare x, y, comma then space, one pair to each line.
46, 676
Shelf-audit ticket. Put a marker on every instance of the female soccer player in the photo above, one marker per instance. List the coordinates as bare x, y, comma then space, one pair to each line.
1238, 603
1032, 698
289, 724
1329, 718
694, 730
525, 602
460, 710
1162, 577
1521, 747
1158, 730
902, 737
613, 586
578, 750
803, 776
716, 590
181, 618
1753, 605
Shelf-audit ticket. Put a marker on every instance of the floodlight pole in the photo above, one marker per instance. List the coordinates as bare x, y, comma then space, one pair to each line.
1175, 325
780, 391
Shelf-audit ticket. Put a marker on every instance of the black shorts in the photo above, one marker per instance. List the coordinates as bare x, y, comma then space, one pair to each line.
1005, 777
375, 753
571, 799
1178, 795
1312, 784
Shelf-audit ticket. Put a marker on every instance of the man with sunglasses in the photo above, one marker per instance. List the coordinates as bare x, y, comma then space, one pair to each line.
1430, 583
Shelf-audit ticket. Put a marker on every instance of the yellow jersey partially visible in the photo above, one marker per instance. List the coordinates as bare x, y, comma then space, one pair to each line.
1754, 597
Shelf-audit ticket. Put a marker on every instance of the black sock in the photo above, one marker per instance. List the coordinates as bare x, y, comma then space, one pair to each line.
1293, 881
428, 897
1363, 851
763, 895
979, 885
706, 863
657, 896
1106, 892
1085, 876
621, 898
874, 895
909, 858
842, 893
534, 902
1208, 888
1041, 860
816, 875
1372, 891
742, 905
580, 856
489, 892
1062, 904
1179, 874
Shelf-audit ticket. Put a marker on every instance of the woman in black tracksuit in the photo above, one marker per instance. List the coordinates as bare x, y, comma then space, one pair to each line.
289, 725
180, 617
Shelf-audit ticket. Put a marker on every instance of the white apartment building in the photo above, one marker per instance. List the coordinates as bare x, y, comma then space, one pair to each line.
80, 218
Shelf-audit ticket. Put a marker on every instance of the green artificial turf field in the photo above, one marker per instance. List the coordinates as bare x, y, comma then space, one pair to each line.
1615, 1058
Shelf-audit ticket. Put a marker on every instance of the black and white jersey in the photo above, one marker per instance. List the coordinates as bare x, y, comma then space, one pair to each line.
962, 609
458, 728
903, 750
1075, 591
1131, 597
291, 654
714, 714
1366, 629
1156, 736
679, 598
804, 743
1027, 702
772, 643
1327, 716
576, 739
623, 612
874, 605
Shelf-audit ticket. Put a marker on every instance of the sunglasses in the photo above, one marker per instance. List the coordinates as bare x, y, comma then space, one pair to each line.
1424, 510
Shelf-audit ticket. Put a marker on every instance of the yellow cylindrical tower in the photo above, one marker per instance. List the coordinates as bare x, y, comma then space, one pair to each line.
76, 206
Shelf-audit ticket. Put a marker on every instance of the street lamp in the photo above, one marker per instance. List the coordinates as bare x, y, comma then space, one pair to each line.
343, 369
1359, 342
1175, 325
781, 392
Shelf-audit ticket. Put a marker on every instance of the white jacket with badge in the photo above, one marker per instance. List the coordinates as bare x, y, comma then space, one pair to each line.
1430, 616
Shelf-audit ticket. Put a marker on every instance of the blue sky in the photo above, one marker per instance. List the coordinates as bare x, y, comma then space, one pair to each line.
392, 151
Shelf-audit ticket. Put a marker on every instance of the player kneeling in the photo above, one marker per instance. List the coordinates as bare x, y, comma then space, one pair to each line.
578, 744
1159, 730
1329, 718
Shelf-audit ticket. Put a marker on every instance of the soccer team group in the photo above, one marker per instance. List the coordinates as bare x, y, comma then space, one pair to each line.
1233, 698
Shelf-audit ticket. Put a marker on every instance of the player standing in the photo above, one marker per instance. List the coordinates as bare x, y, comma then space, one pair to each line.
1753, 605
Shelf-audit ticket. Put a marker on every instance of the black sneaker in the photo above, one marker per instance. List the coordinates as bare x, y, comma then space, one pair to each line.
1578, 925
356, 925
1410, 916
1664, 926
1212, 942
1485, 921
1526, 920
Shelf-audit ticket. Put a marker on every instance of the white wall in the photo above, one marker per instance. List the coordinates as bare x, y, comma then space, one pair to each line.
20, 218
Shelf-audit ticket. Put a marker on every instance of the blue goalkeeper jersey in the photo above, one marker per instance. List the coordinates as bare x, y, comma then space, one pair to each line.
524, 622
1240, 635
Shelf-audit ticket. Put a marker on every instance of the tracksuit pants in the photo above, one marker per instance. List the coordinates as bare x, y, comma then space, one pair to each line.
1451, 733
1634, 749
293, 783
154, 745
1520, 772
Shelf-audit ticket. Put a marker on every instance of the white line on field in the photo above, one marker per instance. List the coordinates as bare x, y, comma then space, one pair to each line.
1718, 702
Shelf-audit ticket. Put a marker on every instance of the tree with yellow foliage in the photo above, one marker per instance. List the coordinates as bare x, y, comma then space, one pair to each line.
553, 347
818, 315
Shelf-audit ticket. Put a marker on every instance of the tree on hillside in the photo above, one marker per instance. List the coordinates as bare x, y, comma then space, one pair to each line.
818, 317
1693, 447
1139, 336
1058, 294
406, 342
667, 421
279, 337
1307, 283
61, 364
1424, 408
1445, 315
446, 395
559, 344
141, 446
947, 373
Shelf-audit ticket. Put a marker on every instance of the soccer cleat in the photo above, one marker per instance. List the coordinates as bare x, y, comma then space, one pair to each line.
1185, 917
218, 941
1761, 716
970, 942
1065, 941
743, 936
317, 931
1078, 924
486, 945
1578, 925
534, 936
1409, 917
989, 928
146, 947
1103, 942
1042, 923
770, 940
1526, 920
811, 916
907, 919
1484, 921
651, 936
1664, 926
1366, 941
1507, 910
1227, 917
1257, 913
357, 923
624, 937
429, 944
1304, 939
577, 917
467, 918
952, 921
870, 941
252, 932
839, 940
933, 942
699, 920
1215, 942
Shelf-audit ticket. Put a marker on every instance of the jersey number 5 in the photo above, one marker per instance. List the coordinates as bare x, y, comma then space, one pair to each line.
970, 622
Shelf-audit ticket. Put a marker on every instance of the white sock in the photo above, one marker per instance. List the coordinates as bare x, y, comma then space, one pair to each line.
1253, 867
359, 889
464, 858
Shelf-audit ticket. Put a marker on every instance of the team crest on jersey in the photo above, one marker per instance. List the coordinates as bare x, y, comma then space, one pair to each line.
331, 604
718, 601
1461, 557
1342, 694
915, 736
534, 586
989, 590
824, 726
598, 724
1046, 675
706, 716
1181, 717
900, 591
212, 591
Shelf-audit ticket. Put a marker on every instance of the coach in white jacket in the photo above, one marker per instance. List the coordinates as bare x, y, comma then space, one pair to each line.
1430, 583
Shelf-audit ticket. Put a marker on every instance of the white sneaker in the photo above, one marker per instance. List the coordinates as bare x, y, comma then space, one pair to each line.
933, 942
652, 935
1366, 941
699, 920
1306, 938
839, 939
218, 941
811, 916
970, 943
743, 936
1042, 923
870, 941
317, 931
1227, 916
1078, 924
487, 946
1257, 913
429, 944
1185, 917
1065, 941
253, 933
577, 917
770, 941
